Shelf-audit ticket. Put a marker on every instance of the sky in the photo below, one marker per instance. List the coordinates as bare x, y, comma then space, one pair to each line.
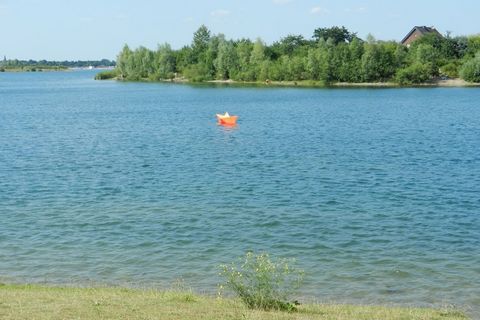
97, 29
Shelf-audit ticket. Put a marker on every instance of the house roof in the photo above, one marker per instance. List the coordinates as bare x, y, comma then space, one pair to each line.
422, 29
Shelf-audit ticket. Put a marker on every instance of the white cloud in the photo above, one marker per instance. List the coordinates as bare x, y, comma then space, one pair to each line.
319, 11
220, 13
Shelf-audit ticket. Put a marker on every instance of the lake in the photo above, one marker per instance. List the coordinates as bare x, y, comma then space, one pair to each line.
375, 192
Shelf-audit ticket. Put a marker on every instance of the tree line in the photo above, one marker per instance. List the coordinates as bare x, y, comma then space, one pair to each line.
332, 55
32, 65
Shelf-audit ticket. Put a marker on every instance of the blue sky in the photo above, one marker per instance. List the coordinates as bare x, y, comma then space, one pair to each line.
95, 29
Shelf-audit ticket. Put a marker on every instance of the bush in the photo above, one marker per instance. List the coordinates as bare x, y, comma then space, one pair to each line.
470, 71
107, 74
416, 73
196, 73
450, 70
262, 283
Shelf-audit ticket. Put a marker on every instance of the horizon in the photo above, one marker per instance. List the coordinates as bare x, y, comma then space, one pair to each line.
66, 32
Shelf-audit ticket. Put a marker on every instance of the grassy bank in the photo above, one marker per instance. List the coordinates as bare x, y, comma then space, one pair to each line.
37, 302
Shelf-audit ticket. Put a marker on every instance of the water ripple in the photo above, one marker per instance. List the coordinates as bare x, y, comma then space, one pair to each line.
375, 192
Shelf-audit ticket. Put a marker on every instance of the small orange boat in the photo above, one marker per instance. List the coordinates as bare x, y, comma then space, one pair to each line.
226, 119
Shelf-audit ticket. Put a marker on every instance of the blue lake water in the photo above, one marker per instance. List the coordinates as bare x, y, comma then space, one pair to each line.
375, 192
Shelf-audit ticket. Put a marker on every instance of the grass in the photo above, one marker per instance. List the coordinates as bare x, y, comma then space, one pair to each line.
39, 302
106, 74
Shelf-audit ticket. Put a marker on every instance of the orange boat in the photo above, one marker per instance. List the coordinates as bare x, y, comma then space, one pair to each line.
226, 119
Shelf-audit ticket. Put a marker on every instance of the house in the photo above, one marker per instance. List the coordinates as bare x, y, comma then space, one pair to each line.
417, 32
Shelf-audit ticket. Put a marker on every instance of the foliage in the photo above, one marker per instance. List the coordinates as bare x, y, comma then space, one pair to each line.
334, 55
414, 74
378, 62
290, 45
196, 72
337, 34
471, 69
450, 69
201, 39
106, 74
164, 62
263, 283
473, 45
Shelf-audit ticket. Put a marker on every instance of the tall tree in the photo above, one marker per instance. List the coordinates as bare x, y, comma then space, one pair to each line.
201, 38
164, 62
226, 59
243, 51
337, 34
257, 57
122, 62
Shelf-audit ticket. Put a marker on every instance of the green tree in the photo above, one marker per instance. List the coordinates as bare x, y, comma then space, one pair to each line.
290, 45
144, 63
244, 72
201, 39
354, 65
183, 58
470, 71
257, 57
426, 54
336, 55
211, 54
123, 59
325, 55
378, 62
401, 54
473, 45
313, 64
226, 60
337, 34
164, 62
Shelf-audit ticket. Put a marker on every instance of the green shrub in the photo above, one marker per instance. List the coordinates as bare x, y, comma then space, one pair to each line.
107, 74
416, 73
262, 283
470, 71
450, 69
196, 73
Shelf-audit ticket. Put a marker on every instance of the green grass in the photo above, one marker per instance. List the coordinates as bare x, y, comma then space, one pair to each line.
38, 302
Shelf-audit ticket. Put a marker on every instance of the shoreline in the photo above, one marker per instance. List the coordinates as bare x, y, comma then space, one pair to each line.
449, 83
48, 302
455, 83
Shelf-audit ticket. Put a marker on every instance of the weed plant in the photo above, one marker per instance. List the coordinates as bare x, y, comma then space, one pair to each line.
263, 283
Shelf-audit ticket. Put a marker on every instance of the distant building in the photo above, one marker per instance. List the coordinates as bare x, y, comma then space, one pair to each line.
417, 32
